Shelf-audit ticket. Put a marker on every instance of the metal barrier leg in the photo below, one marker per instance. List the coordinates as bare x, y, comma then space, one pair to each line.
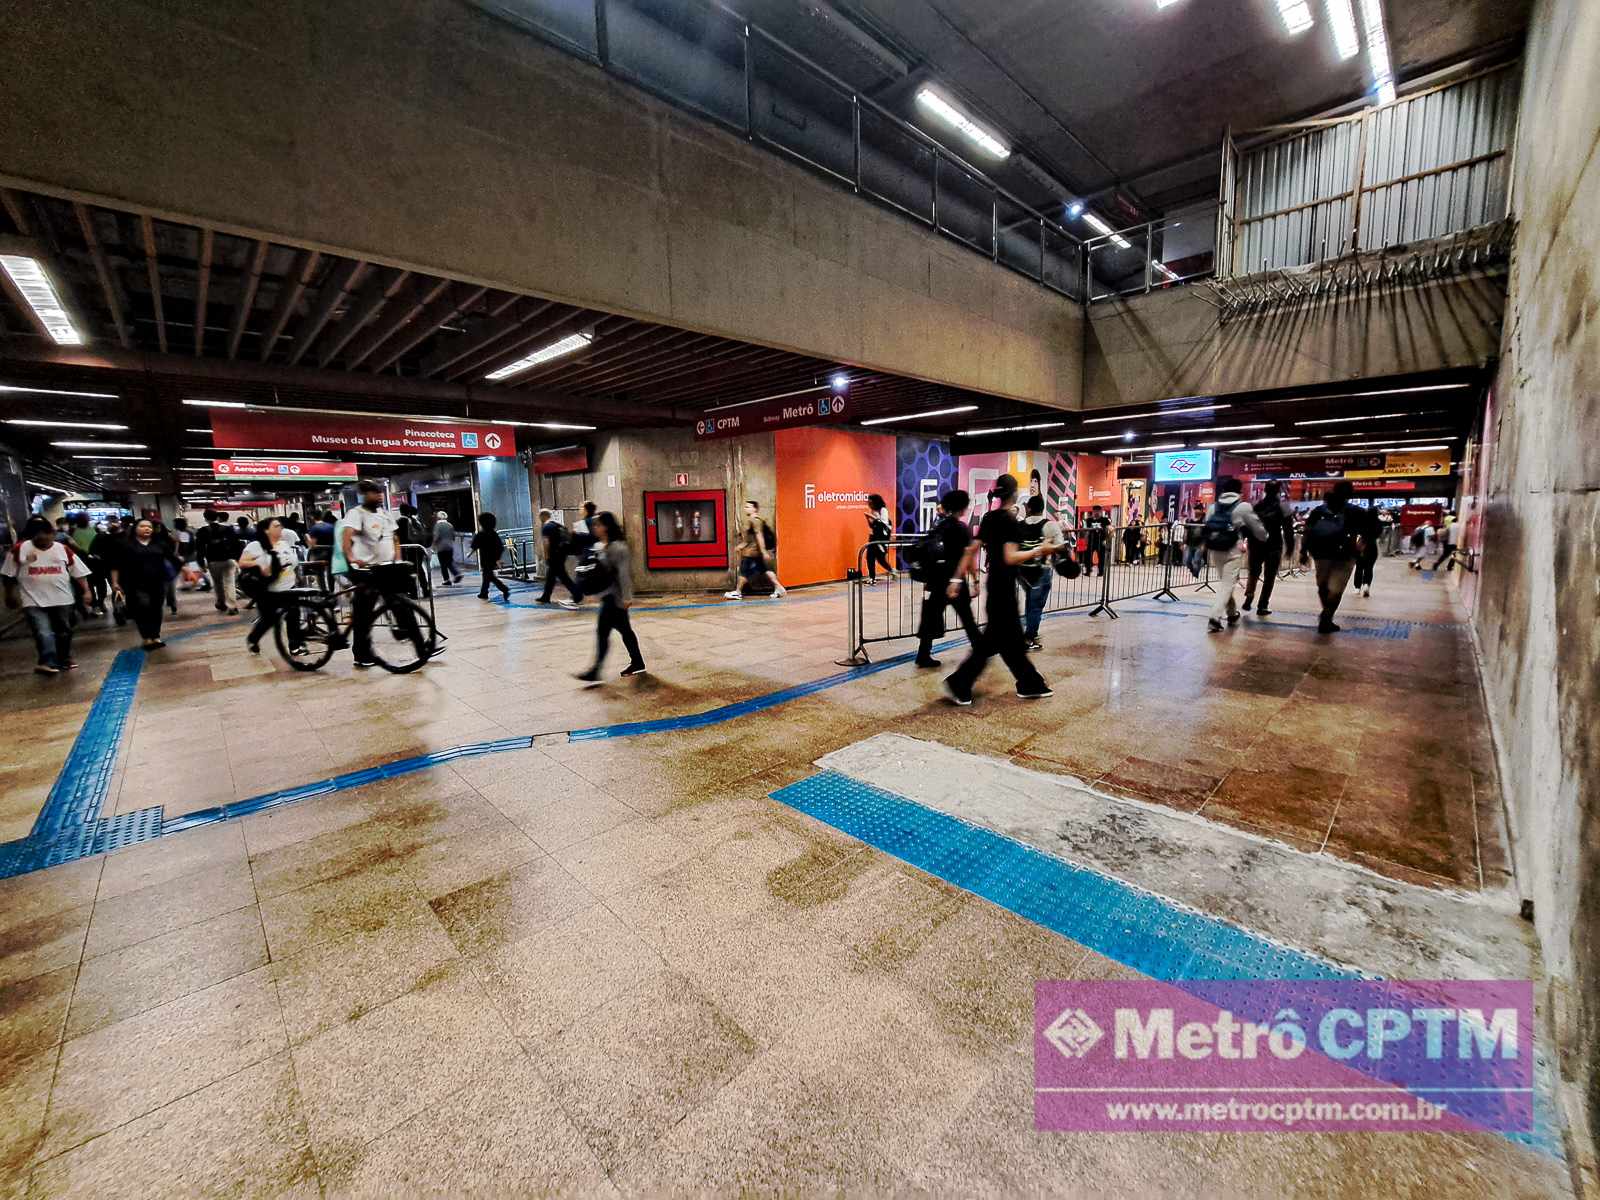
1166, 593
1205, 584
855, 647
1105, 591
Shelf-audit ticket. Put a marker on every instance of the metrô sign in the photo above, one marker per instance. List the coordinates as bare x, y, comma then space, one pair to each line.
769, 415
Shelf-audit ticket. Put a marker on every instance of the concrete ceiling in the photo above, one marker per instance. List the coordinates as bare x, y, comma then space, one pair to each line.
1109, 92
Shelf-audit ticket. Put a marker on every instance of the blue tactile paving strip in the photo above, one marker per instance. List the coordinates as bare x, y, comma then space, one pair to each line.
81, 788
1137, 928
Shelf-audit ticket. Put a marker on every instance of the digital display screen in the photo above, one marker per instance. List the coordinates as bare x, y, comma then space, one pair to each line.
1183, 466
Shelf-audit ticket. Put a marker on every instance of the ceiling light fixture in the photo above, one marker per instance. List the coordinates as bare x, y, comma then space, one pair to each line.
545, 425
1378, 51
570, 344
951, 115
1100, 227
1247, 442
1343, 19
1112, 437
113, 457
61, 424
11, 387
1292, 453
1296, 15
215, 404
101, 445
1170, 412
1009, 428
934, 412
1408, 449
1419, 443
1220, 428
1152, 449
1347, 420
34, 286
46, 487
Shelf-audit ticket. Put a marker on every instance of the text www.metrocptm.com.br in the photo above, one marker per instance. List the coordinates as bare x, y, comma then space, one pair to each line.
1285, 1112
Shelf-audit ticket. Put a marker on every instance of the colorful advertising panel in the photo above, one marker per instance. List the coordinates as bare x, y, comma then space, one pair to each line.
768, 416
1097, 481
926, 470
1183, 466
280, 469
824, 479
1435, 463
264, 429
979, 471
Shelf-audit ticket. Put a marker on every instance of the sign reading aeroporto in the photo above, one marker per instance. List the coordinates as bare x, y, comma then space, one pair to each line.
263, 429
280, 469
770, 415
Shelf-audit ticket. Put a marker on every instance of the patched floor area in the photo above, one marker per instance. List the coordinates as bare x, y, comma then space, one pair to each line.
618, 965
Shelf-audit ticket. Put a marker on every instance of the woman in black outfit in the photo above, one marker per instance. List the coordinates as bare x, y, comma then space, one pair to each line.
880, 532
615, 599
489, 547
139, 578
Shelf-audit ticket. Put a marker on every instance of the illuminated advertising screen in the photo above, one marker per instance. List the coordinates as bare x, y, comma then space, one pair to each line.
1183, 466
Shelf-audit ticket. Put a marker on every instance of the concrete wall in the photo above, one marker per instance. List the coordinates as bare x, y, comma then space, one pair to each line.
426, 133
1537, 609
1170, 343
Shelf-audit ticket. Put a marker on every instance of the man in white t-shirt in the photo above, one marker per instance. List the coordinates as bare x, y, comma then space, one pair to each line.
39, 574
368, 536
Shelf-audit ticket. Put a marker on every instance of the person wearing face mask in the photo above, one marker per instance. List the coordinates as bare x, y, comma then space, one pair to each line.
139, 579
368, 537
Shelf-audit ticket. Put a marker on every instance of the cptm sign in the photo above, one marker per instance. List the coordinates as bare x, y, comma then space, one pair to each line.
769, 415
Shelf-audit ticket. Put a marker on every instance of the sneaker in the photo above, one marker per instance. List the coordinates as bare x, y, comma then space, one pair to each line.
568, 605
927, 662
733, 595
233, 612
633, 669
255, 647
1034, 644
592, 675
1233, 619
1330, 627
780, 592
1366, 593
47, 669
364, 663
1263, 611
1213, 626
543, 600
70, 665
956, 697
1042, 692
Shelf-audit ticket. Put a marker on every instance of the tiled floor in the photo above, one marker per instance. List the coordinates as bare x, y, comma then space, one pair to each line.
617, 966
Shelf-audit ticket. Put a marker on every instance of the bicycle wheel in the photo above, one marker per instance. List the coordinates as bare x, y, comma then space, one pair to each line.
319, 635
402, 634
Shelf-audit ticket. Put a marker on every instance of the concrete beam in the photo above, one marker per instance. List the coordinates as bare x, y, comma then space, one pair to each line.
431, 136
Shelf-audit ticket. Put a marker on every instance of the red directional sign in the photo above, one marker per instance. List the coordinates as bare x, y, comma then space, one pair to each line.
768, 415
281, 469
264, 429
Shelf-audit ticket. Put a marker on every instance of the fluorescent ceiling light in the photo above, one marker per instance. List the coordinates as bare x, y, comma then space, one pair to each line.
1378, 50
35, 287
1115, 437
1221, 428
46, 487
1347, 420
1292, 453
951, 115
101, 445
543, 425
1168, 412
1246, 442
62, 424
113, 457
933, 412
1407, 449
1343, 20
216, 404
1160, 4
1009, 428
11, 387
1296, 15
1152, 449
1100, 227
1418, 443
570, 344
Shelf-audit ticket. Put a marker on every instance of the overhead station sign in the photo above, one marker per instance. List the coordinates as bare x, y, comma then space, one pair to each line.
769, 415
1435, 464
280, 469
255, 429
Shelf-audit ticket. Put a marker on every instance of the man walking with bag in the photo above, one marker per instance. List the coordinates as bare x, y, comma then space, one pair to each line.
1228, 523
1333, 539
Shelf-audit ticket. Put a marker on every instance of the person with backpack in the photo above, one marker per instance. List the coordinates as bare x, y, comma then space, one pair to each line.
1037, 577
879, 533
610, 556
217, 548
1334, 536
1194, 542
556, 547
1266, 557
1369, 530
444, 548
1229, 522
936, 560
266, 572
756, 545
409, 527
490, 548
1001, 536
43, 577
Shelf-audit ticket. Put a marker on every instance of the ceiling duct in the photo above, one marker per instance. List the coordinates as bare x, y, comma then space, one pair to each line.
852, 36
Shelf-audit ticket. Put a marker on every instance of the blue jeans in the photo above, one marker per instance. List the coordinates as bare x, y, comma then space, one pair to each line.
1038, 597
52, 633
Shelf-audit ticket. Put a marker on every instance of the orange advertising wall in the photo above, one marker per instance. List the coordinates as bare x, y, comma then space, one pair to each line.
824, 478
1097, 481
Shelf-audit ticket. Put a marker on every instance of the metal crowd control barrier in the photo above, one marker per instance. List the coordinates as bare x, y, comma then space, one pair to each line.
891, 609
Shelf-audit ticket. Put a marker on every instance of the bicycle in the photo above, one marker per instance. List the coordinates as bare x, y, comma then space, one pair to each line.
403, 633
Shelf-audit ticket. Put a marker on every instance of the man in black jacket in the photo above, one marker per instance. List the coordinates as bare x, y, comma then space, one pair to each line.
1265, 557
217, 548
943, 550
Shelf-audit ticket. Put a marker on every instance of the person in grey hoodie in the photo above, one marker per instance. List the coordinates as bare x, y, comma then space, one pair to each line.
1229, 525
615, 599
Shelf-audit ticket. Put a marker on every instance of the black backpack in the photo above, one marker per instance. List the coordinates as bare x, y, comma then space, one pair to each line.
1327, 534
1218, 530
593, 573
1032, 572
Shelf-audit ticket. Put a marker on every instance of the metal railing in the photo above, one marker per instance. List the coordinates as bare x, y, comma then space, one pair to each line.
738, 75
1178, 248
1113, 571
